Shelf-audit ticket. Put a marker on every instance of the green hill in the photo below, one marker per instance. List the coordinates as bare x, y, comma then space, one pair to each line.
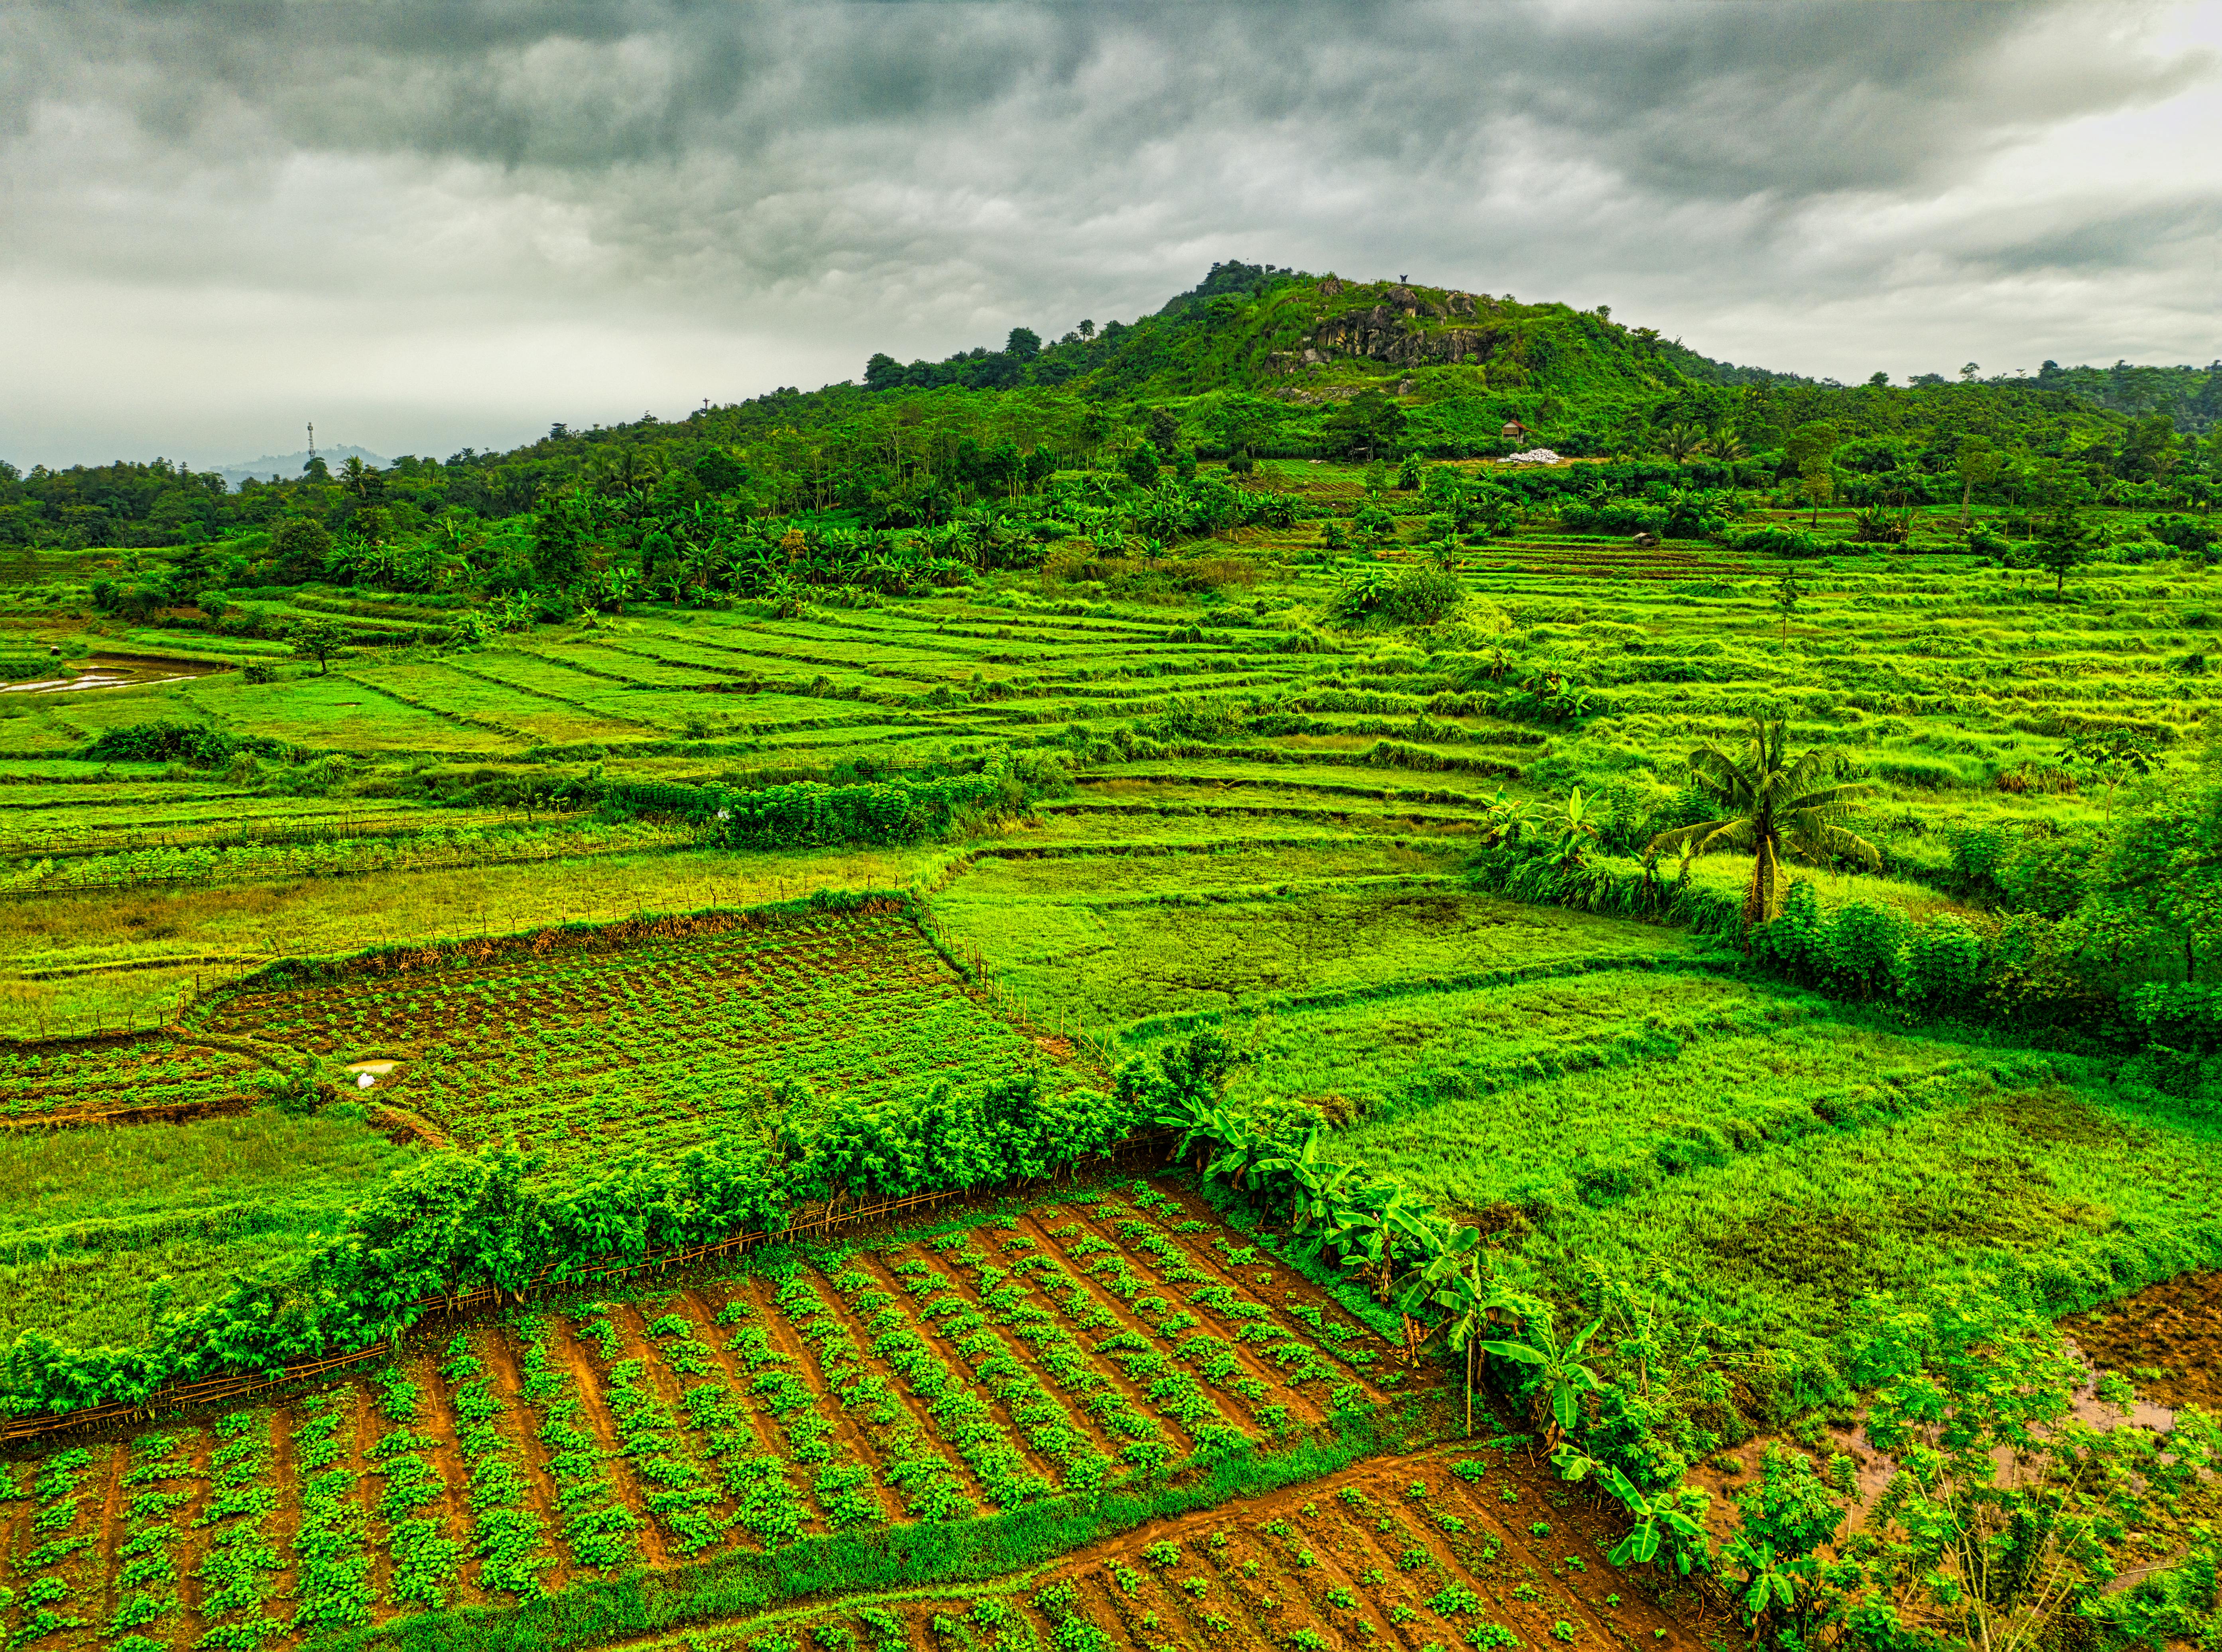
1256, 361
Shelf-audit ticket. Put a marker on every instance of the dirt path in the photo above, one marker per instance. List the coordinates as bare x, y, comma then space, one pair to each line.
192, 1541
285, 1518
666, 1385
15, 1520
361, 1427
112, 1522
762, 1426
849, 1439
446, 1459
910, 1405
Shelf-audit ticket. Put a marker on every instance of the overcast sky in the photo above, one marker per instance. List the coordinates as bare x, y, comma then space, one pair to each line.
424, 226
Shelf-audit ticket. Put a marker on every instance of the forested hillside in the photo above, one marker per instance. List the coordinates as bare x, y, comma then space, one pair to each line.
2189, 398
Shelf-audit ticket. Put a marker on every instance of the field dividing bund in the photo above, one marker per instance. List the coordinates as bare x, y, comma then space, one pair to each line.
1102, 1339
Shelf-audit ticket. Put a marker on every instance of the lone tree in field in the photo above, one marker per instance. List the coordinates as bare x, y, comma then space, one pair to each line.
2062, 544
1788, 594
1809, 449
1769, 804
318, 640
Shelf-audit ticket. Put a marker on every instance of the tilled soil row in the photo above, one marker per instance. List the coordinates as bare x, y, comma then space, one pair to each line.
1079, 1343
1456, 1545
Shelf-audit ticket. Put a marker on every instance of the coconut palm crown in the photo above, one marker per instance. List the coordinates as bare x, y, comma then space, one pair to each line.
1767, 804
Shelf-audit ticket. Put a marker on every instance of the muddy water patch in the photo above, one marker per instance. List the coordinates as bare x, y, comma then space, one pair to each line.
114, 671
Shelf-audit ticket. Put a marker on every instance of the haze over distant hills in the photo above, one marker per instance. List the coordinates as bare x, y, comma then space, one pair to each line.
287, 465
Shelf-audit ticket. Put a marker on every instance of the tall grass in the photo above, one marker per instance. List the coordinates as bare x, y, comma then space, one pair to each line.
2055, 1195
55, 1182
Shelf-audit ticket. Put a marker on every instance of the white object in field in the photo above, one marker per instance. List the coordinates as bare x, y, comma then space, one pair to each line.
1533, 456
364, 1081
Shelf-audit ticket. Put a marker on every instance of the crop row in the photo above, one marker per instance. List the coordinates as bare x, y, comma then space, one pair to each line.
151, 1072
978, 1370
335, 857
1459, 1549
879, 947
625, 1083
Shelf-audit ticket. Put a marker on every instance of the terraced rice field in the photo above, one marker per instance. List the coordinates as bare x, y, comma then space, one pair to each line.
1052, 1352
1186, 695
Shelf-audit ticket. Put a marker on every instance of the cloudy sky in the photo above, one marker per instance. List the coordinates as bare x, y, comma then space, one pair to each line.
424, 226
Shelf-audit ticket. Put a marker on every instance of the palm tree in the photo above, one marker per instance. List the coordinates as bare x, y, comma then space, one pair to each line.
1725, 446
1768, 803
1678, 442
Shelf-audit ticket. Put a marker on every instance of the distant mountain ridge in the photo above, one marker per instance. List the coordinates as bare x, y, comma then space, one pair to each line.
287, 465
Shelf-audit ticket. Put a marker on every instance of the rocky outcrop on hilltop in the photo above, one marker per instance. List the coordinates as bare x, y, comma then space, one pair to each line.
1403, 329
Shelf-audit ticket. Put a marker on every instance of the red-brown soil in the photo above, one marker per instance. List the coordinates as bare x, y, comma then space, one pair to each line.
2166, 1339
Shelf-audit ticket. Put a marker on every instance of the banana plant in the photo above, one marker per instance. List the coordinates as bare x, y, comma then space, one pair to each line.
1320, 1186
1203, 1126
1382, 1221
1557, 1369
1237, 1142
1277, 1158
1657, 1516
1451, 1283
1577, 826
1506, 816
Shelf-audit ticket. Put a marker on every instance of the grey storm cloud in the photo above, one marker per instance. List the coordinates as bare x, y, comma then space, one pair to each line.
464, 220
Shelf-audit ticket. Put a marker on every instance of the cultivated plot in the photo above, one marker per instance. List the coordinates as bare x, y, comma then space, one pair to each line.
1052, 1352
657, 1046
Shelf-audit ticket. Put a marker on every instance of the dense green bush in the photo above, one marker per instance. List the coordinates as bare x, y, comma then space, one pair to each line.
1423, 597
1612, 516
810, 813
1774, 541
196, 744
